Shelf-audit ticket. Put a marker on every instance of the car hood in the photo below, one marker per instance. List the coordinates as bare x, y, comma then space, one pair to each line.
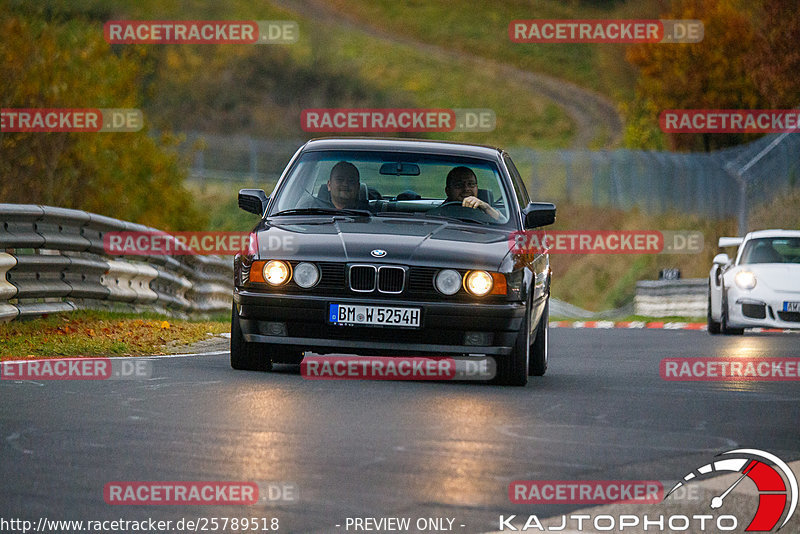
776, 276
405, 241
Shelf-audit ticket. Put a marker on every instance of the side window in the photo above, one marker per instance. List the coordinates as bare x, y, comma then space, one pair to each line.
519, 186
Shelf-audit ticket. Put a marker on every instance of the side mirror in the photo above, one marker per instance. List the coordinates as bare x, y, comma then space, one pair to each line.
253, 200
537, 214
721, 259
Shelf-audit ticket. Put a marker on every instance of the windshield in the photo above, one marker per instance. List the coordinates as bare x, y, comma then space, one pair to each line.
771, 250
386, 184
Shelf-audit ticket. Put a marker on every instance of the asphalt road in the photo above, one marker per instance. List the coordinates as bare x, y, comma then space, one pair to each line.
377, 448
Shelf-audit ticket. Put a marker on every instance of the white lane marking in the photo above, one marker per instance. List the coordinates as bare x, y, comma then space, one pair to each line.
162, 356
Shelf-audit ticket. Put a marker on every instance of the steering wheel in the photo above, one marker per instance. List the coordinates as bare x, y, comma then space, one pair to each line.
454, 208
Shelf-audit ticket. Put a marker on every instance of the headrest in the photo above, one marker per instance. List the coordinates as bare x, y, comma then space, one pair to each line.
486, 195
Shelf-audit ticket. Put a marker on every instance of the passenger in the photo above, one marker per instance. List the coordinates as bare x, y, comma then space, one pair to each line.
344, 185
343, 189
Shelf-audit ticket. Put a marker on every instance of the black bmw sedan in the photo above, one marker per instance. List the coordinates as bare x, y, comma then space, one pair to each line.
393, 247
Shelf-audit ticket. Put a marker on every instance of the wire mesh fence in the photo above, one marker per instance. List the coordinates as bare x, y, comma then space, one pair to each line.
715, 185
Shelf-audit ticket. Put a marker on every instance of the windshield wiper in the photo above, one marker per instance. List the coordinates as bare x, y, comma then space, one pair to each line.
459, 219
422, 215
322, 211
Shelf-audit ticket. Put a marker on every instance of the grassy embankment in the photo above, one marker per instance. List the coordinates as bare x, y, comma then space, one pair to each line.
95, 333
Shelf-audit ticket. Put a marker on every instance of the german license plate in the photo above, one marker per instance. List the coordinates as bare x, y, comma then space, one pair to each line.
354, 314
791, 306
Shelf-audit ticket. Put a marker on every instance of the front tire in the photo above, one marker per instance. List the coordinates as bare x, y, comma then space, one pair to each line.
513, 369
540, 350
245, 356
724, 328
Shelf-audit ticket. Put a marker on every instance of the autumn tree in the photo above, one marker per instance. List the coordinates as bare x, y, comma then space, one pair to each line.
711, 74
49, 62
774, 58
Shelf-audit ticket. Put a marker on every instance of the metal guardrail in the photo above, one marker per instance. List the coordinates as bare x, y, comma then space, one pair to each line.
52, 260
662, 298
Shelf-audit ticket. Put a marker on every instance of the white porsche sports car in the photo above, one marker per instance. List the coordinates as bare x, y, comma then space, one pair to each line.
760, 288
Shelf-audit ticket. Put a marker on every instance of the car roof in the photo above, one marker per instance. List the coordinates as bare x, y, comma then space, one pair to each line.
773, 233
423, 146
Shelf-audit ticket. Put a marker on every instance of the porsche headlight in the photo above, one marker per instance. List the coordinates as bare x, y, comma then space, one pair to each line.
306, 275
479, 283
277, 272
745, 280
448, 281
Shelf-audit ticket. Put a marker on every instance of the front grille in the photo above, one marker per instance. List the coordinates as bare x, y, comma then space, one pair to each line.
331, 275
362, 278
789, 317
391, 279
420, 279
754, 311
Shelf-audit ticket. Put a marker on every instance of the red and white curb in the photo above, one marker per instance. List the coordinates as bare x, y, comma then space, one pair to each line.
628, 324
657, 325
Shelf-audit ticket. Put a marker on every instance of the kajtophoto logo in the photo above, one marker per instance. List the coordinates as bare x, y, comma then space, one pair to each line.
774, 480
775, 484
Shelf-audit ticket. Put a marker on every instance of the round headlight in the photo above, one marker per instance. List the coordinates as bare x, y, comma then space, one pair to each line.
306, 275
448, 281
478, 283
745, 280
277, 272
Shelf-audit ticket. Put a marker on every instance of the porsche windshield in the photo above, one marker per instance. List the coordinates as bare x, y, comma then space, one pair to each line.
771, 250
394, 184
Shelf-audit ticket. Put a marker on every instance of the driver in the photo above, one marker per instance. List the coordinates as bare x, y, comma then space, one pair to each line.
462, 186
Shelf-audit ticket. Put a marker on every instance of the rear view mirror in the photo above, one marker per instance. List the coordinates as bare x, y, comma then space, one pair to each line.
537, 214
400, 169
253, 200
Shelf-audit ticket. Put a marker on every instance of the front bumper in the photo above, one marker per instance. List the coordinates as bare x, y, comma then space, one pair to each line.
761, 307
442, 326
